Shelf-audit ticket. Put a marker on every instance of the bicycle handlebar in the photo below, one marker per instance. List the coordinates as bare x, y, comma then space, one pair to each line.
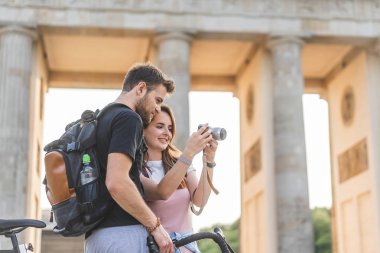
203, 235
153, 248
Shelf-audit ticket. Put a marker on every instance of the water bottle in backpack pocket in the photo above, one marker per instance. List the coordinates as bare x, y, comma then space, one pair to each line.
88, 190
88, 178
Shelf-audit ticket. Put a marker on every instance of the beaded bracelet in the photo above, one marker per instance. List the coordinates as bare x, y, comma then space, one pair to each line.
184, 160
151, 229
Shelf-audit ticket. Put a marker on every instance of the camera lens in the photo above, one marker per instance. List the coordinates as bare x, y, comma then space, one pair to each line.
219, 133
222, 134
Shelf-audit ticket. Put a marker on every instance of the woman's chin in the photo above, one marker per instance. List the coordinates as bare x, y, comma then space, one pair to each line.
163, 146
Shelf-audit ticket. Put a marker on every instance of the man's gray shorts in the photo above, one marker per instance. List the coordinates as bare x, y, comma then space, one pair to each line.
131, 239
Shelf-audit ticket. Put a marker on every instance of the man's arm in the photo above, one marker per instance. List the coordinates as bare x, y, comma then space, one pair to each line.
126, 195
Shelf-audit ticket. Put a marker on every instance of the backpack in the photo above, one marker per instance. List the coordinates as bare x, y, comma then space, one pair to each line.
77, 207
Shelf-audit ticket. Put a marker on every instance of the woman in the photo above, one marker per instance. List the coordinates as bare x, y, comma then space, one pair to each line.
169, 180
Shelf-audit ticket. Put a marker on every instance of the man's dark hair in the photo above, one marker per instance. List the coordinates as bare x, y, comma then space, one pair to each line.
148, 73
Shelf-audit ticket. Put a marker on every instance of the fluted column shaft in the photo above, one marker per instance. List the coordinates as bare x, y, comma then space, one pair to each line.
16, 52
173, 54
295, 233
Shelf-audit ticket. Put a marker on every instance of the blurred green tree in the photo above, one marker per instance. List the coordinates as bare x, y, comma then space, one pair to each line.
322, 230
231, 233
321, 218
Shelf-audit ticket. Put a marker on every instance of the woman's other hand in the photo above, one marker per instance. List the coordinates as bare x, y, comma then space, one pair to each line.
210, 150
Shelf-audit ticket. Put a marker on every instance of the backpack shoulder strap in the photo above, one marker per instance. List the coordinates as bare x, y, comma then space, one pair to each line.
99, 113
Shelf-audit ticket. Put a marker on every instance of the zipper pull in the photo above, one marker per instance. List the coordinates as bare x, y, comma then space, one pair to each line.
51, 215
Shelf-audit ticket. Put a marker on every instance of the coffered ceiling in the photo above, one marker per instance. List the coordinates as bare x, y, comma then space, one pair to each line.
97, 55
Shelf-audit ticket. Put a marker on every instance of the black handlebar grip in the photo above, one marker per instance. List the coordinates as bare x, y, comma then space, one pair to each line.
218, 230
152, 245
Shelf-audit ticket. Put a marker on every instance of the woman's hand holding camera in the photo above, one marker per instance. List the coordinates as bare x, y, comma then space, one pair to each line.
197, 142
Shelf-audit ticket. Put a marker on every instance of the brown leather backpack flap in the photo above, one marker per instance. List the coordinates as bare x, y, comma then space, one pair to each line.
57, 187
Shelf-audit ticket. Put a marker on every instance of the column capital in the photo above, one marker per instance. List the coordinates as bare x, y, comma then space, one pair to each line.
166, 34
19, 29
274, 41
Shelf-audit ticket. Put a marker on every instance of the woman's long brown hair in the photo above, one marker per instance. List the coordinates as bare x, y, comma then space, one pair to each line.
171, 153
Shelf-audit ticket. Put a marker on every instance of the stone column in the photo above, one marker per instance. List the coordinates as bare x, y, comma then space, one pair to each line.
294, 226
173, 54
373, 79
16, 52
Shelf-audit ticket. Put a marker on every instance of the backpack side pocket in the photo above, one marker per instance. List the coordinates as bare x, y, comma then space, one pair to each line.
57, 185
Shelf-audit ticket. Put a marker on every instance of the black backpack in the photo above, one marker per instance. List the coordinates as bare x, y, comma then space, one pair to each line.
77, 208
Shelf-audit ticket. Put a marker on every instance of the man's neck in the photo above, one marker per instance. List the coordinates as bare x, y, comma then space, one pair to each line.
126, 99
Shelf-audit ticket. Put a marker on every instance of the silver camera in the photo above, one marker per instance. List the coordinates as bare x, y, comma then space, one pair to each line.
218, 133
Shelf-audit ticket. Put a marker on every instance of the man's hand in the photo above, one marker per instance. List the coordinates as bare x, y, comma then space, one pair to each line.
163, 240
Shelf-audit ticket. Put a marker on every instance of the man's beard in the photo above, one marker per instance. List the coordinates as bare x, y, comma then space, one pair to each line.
143, 112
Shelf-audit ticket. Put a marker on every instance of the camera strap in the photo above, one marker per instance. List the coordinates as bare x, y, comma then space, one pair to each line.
206, 181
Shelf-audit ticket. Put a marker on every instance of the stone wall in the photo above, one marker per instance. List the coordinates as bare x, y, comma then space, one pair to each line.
53, 243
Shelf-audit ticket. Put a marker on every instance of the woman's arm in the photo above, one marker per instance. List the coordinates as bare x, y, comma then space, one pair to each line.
201, 189
166, 187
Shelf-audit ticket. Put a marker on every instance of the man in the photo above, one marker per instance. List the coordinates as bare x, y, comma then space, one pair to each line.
119, 147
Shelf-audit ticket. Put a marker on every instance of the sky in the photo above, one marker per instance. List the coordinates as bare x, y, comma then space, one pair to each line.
219, 109
317, 150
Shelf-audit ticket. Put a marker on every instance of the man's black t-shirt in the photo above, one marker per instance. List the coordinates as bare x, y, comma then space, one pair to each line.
120, 130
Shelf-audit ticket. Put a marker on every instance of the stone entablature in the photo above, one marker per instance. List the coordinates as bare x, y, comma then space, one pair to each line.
322, 9
320, 18
359, 10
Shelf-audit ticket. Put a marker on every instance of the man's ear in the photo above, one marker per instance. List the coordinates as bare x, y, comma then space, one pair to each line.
141, 88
